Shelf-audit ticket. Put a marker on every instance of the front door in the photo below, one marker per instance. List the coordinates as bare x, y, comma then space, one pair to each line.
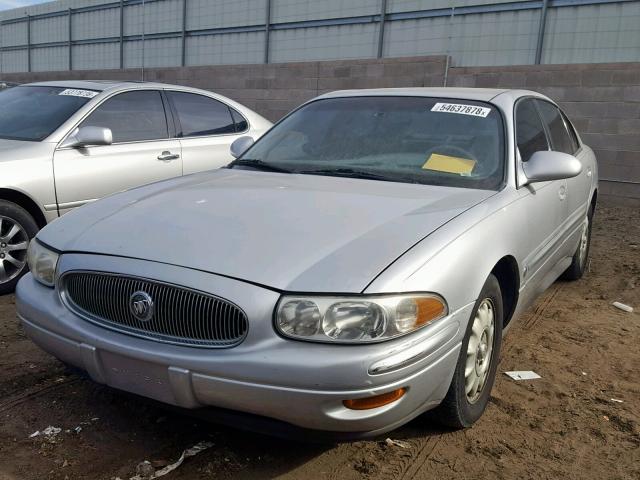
142, 151
545, 202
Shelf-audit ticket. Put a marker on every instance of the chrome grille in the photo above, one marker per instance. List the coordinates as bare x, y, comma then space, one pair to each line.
180, 315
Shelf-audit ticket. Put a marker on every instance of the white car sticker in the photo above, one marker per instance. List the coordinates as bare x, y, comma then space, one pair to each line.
78, 93
463, 109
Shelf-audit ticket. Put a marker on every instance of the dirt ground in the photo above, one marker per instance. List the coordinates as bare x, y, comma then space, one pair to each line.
564, 425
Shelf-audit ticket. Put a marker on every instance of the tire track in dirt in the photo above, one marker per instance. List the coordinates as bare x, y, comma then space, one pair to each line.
410, 460
19, 399
413, 466
529, 320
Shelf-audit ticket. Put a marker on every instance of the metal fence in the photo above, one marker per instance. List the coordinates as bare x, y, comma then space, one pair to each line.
99, 34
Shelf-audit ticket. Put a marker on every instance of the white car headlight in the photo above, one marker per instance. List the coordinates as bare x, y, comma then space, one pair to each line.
356, 319
42, 263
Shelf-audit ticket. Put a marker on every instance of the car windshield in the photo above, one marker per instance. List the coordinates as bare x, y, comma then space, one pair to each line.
432, 141
33, 113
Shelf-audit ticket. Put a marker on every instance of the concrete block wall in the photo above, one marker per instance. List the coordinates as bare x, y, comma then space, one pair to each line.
603, 100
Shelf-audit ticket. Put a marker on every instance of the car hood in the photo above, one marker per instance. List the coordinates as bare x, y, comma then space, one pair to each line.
290, 232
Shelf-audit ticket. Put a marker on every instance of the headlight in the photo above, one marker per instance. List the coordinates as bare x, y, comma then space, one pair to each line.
356, 319
42, 263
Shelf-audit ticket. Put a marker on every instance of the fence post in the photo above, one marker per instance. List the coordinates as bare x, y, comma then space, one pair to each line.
183, 53
69, 47
543, 23
28, 43
267, 28
383, 16
121, 34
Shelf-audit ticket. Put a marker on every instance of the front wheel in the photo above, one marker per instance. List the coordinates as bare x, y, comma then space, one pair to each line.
475, 372
17, 227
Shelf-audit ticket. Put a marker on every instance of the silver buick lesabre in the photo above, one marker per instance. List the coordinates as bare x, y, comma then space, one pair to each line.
355, 267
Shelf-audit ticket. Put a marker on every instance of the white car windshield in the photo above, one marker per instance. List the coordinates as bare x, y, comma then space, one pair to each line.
433, 141
32, 113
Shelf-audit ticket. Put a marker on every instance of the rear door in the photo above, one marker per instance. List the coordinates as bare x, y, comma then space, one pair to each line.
206, 128
545, 202
142, 150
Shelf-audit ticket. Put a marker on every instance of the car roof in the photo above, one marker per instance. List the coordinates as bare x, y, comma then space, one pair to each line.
99, 85
479, 94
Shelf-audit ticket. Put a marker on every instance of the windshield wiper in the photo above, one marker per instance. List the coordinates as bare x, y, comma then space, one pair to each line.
349, 173
258, 165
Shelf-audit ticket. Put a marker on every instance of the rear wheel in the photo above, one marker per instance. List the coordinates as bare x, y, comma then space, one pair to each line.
581, 256
475, 372
17, 228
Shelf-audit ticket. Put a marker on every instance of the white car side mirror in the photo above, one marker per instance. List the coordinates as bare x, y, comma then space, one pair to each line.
545, 166
240, 145
89, 136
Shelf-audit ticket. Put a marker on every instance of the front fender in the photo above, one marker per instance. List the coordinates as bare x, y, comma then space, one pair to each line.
29, 171
456, 259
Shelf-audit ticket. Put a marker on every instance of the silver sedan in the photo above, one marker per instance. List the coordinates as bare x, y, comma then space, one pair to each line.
355, 267
65, 144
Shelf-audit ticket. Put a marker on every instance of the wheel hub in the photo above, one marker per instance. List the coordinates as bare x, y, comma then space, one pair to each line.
14, 242
479, 350
481, 353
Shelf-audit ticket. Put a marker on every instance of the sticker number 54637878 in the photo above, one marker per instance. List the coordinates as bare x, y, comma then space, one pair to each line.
75, 92
462, 109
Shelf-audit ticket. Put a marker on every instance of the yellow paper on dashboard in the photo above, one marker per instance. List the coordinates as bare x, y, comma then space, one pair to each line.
445, 163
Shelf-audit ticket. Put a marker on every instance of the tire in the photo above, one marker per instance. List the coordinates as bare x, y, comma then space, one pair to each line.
17, 228
459, 409
580, 258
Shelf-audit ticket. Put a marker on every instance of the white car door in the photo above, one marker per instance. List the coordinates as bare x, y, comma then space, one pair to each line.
545, 203
206, 127
143, 151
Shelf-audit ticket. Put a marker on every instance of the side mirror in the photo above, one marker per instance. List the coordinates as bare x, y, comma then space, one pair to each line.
86, 136
240, 145
545, 166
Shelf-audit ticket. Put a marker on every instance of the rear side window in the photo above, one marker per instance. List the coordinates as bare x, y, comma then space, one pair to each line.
560, 138
241, 122
530, 135
199, 115
131, 116
572, 132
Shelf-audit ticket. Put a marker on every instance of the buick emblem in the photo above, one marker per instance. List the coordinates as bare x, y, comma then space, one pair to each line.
141, 306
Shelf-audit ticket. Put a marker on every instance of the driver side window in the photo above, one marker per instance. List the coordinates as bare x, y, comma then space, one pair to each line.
131, 116
530, 135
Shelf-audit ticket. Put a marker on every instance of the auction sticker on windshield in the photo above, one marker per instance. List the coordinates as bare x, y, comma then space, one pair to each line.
462, 109
74, 92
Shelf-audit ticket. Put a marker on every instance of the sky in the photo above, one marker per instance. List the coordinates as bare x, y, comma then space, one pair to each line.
8, 4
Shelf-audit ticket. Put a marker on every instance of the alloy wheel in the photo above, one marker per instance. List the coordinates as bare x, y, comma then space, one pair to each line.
14, 242
479, 351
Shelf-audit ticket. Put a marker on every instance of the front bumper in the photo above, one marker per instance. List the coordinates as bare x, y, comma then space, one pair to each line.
302, 384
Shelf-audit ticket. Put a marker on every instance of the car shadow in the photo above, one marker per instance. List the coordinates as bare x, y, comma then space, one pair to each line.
161, 432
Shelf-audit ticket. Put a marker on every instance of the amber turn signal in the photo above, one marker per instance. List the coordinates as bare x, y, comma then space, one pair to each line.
374, 402
428, 309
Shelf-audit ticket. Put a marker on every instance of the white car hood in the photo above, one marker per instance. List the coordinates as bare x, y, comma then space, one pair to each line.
289, 232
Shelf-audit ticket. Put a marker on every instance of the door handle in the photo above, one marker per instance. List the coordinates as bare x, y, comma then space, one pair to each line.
589, 172
167, 156
562, 192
